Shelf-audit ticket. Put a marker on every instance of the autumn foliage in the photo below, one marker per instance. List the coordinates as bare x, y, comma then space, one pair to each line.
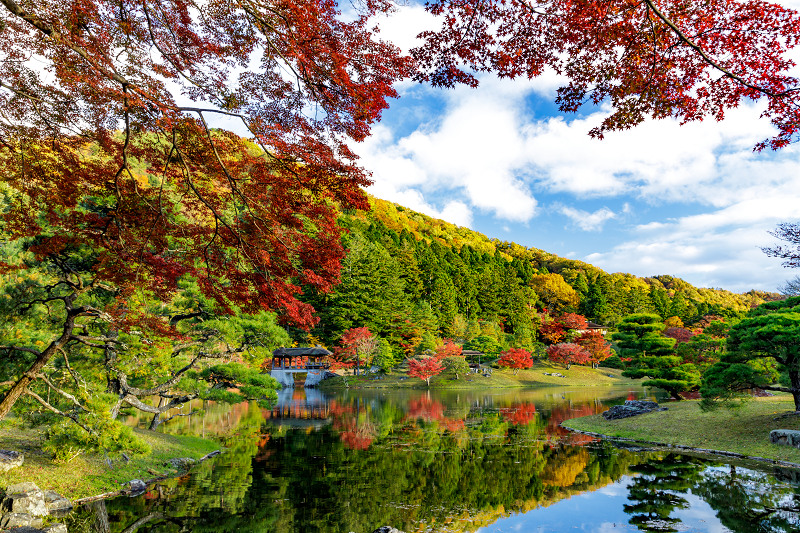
425, 369
516, 358
568, 353
594, 343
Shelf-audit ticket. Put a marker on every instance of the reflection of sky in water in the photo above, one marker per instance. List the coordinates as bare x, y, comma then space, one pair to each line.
601, 512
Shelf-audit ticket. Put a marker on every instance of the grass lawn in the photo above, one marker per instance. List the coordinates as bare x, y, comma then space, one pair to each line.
744, 430
500, 378
89, 475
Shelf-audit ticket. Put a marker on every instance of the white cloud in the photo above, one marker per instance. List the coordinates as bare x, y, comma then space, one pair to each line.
588, 221
717, 249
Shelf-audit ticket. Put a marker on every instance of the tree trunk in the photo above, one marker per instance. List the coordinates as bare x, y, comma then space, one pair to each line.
19, 388
794, 378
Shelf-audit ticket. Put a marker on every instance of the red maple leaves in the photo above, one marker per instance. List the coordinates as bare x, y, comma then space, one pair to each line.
654, 58
516, 358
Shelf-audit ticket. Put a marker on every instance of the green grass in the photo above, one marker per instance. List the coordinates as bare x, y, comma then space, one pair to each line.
500, 378
90, 474
744, 430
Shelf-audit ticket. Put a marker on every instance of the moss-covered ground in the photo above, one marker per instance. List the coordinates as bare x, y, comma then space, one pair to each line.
744, 430
91, 474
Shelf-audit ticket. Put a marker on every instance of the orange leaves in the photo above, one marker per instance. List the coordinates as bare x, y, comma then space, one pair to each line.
656, 58
169, 195
516, 358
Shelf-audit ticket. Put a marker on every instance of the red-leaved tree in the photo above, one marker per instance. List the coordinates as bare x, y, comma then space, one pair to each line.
425, 369
568, 353
448, 349
355, 344
121, 181
516, 358
654, 58
594, 343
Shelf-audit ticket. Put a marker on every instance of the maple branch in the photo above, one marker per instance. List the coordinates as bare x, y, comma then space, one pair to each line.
697, 48
57, 36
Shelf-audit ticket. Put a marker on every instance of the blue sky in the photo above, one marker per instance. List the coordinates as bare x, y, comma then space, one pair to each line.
692, 201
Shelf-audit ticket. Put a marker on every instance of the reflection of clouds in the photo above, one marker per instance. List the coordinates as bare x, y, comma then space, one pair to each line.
699, 516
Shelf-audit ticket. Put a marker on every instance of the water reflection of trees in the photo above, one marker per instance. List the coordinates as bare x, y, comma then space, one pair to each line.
426, 464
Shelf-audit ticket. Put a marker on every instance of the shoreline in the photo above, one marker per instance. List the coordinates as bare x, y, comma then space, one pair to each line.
741, 433
703, 451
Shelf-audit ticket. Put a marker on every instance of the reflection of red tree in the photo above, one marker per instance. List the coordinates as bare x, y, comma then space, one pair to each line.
519, 414
357, 436
424, 408
565, 412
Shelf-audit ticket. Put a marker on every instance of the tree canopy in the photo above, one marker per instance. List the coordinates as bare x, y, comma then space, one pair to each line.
763, 351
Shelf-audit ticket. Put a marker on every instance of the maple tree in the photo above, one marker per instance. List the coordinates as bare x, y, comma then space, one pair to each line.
448, 349
516, 358
568, 353
112, 162
425, 369
650, 58
597, 346
355, 344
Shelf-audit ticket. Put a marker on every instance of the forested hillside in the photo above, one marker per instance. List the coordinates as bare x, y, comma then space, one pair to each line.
412, 279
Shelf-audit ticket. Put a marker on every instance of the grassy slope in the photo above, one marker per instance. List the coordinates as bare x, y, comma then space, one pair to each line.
744, 430
502, 378
89, 475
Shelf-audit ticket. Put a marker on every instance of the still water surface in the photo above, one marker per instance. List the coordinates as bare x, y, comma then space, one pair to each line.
445, 462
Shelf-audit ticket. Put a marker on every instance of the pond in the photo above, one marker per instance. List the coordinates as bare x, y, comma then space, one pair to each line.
445, 461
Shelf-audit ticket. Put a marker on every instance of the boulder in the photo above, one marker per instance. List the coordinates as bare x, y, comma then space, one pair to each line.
25, 498
786, 437
181, 463
56, 528
57, 505
387, 529
19, 520
631, 408
135, 487
10, 459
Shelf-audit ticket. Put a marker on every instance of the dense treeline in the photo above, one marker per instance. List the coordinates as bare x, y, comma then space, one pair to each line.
410, 278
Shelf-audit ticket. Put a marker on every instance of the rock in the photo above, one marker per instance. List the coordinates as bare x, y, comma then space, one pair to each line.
56, 528
631, 408
57, 505
387, 529
786, 437
181, 463
19, 520
24, 498
135, 487
10, 459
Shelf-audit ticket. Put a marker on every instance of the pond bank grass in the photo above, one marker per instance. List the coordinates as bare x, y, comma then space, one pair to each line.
576, 376
91, 474
744, 430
